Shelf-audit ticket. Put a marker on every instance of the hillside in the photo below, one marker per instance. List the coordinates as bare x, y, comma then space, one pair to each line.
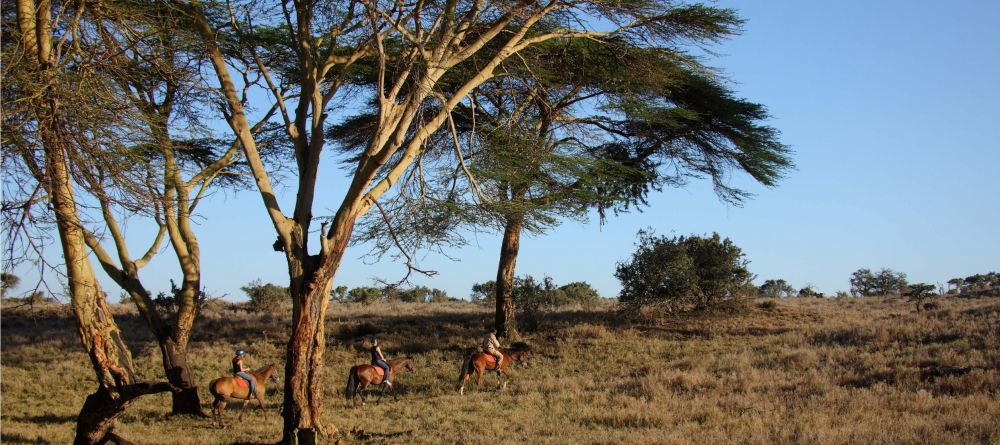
820, 371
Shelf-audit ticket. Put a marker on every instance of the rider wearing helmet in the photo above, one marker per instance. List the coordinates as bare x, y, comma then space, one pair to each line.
491, 345
378, 359
241, 371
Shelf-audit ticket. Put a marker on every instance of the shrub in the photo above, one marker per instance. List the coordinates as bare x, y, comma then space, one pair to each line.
682, 273
438, 296
265, 297
166, 304
364, 295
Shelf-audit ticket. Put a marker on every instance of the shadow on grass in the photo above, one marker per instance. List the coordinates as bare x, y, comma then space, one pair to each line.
17, 438
48, 419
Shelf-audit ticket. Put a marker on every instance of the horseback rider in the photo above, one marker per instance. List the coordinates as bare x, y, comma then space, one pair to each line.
241, 371
378, 359
491, 345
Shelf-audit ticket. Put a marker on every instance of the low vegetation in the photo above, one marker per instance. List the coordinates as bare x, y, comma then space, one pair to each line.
848, 370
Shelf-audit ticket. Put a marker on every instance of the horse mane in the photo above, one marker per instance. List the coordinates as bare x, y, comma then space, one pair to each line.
519, 346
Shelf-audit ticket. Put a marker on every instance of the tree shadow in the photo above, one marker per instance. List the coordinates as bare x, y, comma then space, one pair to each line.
17, 438
48, 419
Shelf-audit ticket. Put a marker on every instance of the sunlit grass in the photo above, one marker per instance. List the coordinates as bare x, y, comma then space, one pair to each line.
798, 371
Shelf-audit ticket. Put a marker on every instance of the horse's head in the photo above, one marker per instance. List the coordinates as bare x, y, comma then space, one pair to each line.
408, 364
521, 356
271, 374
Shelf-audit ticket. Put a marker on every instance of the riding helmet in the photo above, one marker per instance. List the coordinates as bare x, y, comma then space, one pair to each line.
374, 340
240, 352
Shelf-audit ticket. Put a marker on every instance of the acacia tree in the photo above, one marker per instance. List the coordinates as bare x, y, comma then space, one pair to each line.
412, 46
156, 73
53, 96
546, 143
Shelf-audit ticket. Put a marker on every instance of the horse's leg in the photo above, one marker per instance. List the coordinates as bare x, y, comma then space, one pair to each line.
479, 380
261, 402
244, 408
220, 406
361, 390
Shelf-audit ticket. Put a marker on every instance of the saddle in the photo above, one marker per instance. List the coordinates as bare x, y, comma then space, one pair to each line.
241, 382
379, 371
491, 361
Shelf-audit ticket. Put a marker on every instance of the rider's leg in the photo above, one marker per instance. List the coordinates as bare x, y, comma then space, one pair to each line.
253, 383
385, 369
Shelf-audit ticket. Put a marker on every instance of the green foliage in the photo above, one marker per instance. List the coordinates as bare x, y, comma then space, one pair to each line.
682, 273
439, 296
864, 283
265, 297
365, 295
484, 293
531, 295
416, 294
985, 285
776, 289
339, 293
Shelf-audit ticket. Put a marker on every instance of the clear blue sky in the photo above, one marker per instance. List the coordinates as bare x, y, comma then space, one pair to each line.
891, 108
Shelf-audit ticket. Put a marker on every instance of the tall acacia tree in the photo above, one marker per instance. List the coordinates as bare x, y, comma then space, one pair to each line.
626, 121
543, 143
412, 47
52, 94
157, 75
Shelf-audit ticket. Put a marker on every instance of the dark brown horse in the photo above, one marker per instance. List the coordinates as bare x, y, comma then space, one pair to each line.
360, 376
481, 362
224, 387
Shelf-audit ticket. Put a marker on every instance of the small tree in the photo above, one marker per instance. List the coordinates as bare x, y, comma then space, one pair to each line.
682, 272
339, 293
484, 293
364, 294
918, 292
776, 289
864, 283
890, 282
265, 297
438, 296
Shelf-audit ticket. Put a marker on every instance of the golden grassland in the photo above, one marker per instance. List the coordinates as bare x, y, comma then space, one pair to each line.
830, 371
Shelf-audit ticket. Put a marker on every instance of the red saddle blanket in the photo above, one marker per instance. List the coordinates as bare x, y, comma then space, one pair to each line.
240, 381
378, 370
491, 361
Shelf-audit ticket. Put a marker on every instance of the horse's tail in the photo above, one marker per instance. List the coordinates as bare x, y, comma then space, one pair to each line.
352, 381
464, 371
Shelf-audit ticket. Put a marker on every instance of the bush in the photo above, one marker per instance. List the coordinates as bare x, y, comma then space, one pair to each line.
682, 273
364, 294
166, 304
265, 297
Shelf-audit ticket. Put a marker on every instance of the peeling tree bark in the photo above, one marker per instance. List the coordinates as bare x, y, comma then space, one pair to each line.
505, 321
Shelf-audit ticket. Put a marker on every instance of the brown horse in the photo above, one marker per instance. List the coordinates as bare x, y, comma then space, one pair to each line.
224, 387
360, 376
481, 362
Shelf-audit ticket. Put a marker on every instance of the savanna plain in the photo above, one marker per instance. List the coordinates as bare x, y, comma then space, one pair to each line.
811, 371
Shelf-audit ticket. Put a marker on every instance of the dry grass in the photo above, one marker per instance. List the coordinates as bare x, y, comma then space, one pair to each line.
799, 371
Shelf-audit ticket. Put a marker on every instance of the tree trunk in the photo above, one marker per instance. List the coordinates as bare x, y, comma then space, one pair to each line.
505, 323
178, 372
304, 385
